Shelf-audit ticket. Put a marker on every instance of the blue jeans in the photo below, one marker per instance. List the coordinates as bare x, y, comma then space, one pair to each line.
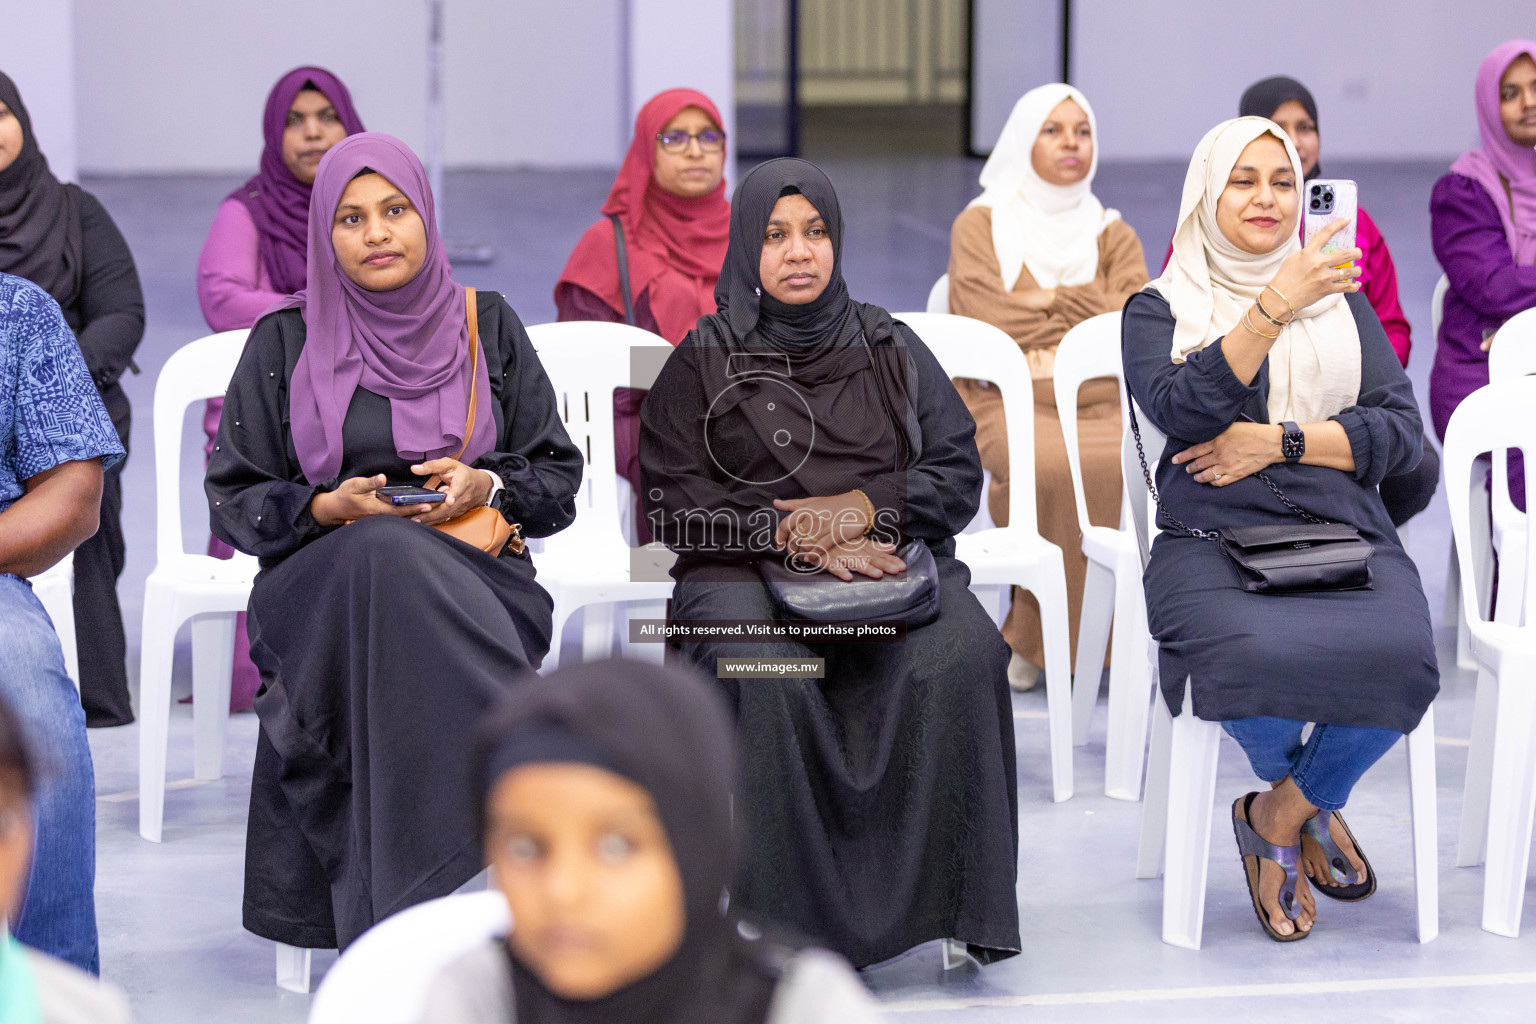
58, 910
1325, 768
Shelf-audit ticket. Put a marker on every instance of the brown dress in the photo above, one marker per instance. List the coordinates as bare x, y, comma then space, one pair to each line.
975, 290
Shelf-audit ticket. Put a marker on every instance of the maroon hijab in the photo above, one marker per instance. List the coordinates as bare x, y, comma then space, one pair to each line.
410, 345
675, 245
279, 202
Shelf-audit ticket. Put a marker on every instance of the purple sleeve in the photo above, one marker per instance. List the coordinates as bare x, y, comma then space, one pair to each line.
1473, 251
231, 287
1379, 283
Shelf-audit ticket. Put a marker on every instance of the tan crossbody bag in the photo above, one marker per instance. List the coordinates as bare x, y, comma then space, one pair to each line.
484, 527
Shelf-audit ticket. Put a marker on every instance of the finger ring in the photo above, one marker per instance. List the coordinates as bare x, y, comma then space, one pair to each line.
1216, 476
1343, 273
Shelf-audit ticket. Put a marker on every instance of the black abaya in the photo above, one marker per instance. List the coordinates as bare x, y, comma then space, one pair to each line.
380, 643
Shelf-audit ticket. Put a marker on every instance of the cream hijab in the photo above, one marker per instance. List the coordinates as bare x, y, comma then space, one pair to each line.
1314, 366
1051, 229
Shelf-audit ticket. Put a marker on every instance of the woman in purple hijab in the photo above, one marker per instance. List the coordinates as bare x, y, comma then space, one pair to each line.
254, 253
380, 643
1483, 226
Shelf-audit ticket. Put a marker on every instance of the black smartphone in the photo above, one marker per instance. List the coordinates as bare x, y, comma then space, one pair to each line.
409, 494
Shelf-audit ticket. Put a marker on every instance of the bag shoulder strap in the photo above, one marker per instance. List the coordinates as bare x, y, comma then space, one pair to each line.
471, 315
623, 256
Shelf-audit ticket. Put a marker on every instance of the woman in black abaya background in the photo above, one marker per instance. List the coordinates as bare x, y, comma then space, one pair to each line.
879, 803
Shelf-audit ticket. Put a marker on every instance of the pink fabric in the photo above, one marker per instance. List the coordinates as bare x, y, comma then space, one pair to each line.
1506, 169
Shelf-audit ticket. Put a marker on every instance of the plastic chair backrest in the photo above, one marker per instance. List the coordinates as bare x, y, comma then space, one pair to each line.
970, 348
197, 371
384, 976
1088, 351
1437, 306
1143, 509
1491, 419
938, 295
585, 361
1512, 355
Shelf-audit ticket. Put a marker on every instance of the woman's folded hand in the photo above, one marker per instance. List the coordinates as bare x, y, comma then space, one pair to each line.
820, 523
865, 556
1241, 450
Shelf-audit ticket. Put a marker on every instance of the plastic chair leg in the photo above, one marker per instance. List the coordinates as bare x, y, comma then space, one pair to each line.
156, 649
1512, 798
954, 954
292, 967
1130, 692
1424, 811
1454, 613
1191, 793
1154, 803
1092, 639
1050, 591
213, 655
1473, 843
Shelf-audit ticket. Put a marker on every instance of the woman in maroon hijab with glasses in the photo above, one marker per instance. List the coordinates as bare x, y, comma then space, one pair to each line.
668, 204
380, 642
254, 253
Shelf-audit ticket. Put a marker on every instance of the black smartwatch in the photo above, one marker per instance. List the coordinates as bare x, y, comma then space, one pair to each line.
1293, 443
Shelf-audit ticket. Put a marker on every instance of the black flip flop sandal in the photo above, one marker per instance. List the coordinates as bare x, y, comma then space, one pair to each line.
1357, 886
1251, 844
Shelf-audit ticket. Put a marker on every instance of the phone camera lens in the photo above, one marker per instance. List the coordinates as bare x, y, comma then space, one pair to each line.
1317, 204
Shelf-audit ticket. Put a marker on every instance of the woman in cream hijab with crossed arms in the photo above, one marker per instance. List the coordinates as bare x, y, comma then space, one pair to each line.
1256, 355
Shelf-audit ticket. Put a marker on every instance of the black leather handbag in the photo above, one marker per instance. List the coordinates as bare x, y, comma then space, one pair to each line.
1283, 559
911, 596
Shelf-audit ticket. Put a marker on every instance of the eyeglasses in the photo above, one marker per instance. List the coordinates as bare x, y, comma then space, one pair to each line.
711, 140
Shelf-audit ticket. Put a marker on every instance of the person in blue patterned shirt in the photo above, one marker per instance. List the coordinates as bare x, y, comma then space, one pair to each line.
55, 441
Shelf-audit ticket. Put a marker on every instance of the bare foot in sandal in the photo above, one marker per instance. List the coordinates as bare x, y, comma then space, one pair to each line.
1275, 820
1315, 860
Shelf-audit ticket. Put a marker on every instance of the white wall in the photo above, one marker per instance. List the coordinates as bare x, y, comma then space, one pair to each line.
37, 51
1391, 80
1016, 45
167, 86
683, 44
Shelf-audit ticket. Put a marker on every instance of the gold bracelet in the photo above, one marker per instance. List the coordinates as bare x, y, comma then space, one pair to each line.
1277, 291
1249, 324
1259, 301
869, 510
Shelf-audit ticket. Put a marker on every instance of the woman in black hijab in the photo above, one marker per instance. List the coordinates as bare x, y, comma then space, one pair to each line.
59, 237
879, 802
604, 792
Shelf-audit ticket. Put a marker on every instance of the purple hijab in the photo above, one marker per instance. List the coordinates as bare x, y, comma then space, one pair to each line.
410, 345
1502, 161
279, 202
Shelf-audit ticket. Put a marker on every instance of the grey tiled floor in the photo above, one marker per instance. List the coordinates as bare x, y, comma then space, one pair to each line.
170, 914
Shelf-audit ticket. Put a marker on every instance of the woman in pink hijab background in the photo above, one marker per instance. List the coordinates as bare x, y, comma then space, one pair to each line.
255, 250
1483, 227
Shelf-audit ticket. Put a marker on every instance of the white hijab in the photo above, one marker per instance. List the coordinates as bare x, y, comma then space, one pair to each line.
1051, 229
1314, 366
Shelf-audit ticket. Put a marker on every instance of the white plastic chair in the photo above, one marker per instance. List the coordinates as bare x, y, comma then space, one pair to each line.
1112, 591
1500, 801
183, 586
384, 976
587, 565
1015, 554
1512, 355
55, 590
1177, 810
938, 296
1482, 537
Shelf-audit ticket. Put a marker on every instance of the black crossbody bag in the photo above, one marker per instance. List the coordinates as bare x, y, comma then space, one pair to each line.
1286, 559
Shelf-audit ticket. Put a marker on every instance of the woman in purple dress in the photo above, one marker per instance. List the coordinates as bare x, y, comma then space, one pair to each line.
1483, 226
